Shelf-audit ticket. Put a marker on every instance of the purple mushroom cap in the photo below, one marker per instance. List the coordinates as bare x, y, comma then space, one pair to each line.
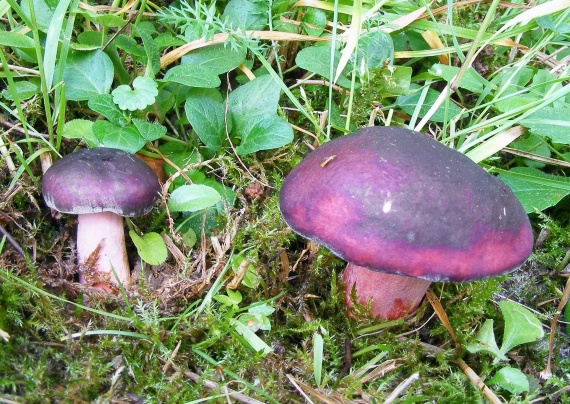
101, 180
396, 201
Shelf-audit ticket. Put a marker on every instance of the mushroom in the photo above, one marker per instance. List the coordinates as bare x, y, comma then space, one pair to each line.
404, 211
100, 186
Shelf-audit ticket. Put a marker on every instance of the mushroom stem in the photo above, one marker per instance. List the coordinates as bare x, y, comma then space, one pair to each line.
393, 296
105, 229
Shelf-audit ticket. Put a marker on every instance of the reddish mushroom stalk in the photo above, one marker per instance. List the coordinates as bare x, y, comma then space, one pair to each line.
389, 296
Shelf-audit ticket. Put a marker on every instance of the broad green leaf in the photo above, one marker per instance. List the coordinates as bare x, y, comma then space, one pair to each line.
216, 59
86, 74
375, 48
246, 14
318, 350
206, 116
392, 80
264, 132
314, 21
191, 198
262, 309
151, 52
24, 89
471, 80
486, 341
521, 326
143, 94
232, 298
256, 343
80, 129
149, 131
316, 59
533, 144
104, 105
257, 97
16, 40
510, 379
535, 189
409, 103
43, 11
151, 247
126, 138
192, 76
550, 122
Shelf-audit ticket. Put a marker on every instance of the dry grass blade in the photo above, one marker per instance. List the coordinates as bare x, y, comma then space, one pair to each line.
536, 157
547, 372
401, 388
380, 370
436, 304
305, 390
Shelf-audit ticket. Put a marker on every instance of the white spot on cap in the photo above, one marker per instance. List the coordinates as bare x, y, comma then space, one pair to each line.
387, 207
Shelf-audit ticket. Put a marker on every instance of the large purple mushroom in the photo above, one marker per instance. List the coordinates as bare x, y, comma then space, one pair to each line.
404, 211
101, 186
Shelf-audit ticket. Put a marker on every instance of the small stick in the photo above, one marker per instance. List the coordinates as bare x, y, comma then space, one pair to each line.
401, 387
13, 242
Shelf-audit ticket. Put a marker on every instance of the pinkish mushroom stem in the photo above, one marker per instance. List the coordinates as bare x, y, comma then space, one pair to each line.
105, 229
390, 296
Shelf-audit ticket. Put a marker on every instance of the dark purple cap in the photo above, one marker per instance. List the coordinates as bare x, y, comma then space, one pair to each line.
101, 180
394, 200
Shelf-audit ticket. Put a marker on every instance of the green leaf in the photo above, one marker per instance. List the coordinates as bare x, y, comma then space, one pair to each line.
263, 133
191, 198
143, 94
233, 298
80, 129
511, 379
262, 309
255, 322
257, 97
410, 102
314, 21
471, 80
104, 105
16, 40
246, 14
87, 74
486, 341
535, 189
316, 59
318, 348
151, 52
206, 116
256, 343
126, 138
374, 50
217, 59
521, 326
150, 246
192, 76
24, 89
550, 122
149, 131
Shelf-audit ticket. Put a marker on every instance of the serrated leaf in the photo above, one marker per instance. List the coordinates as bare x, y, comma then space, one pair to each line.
535, 189
521, 326
143, 94
510, 379
126, 138
192, 198
104, 105
148, 130
206, 116
150, 246
550, 122
80, 129
87, 74
316, 59
263, 133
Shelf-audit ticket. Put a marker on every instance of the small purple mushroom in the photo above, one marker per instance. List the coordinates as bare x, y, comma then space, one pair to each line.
404, 210
100, 186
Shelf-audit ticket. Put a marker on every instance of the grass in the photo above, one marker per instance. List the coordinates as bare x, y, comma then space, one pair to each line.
477, 76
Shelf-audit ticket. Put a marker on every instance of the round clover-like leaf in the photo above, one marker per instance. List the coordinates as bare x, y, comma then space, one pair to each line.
142, 94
